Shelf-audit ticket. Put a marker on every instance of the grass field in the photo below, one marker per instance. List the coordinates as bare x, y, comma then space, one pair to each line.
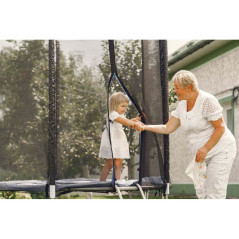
83, 195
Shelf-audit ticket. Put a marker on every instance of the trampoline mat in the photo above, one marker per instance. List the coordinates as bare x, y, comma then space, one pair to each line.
102, 186
78, 183
24, 185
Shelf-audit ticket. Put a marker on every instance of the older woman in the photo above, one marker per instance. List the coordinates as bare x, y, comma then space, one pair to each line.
212, 144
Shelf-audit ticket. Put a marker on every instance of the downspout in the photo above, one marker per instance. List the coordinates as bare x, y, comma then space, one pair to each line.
235, 93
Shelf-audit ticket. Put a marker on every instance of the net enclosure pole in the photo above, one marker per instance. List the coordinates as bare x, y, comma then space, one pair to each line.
113, 72
57, 84
165, 102
52, 120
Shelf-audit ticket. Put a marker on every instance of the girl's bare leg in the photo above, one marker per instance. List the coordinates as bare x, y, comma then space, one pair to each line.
105, 171
118, 167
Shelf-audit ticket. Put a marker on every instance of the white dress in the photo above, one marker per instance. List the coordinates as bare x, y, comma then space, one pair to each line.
119, 141
199, 130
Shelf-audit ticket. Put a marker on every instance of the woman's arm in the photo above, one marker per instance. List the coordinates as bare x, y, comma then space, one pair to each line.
217, 134
168, 128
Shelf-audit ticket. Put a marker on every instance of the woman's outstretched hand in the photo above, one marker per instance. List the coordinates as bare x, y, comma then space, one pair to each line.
138, 125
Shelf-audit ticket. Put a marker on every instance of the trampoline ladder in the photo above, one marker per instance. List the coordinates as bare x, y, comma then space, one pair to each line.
118, 191
120, 194
141, 190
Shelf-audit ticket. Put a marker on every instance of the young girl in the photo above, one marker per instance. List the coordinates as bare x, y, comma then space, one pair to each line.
118, 103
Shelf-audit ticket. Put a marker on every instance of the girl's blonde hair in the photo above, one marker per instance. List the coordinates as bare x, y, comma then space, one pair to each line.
186, 78
116, 99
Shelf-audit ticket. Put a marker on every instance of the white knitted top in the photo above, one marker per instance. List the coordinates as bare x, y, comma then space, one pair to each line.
197, 125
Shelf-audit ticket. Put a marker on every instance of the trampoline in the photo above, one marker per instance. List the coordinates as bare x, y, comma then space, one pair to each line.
64, 186
153, 161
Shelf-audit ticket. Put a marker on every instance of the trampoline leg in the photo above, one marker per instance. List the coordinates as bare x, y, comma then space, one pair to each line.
141, 191
118, 191
147, 194
167, 191
88, 195
52, 191
130, 195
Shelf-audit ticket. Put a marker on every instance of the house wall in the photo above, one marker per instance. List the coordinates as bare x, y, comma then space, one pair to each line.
217, 76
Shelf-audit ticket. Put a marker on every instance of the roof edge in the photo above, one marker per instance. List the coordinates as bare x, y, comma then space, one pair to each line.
191, 47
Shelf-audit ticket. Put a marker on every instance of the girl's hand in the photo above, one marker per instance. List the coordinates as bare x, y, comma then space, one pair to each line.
201, 154
137, 121
138, 118
135, 124
139, 126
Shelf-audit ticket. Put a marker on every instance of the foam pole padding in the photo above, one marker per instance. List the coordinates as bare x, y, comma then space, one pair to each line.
112, 57
165, 101
52, 115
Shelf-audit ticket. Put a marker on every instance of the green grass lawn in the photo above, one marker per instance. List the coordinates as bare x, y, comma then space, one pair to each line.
82, 195
132, 196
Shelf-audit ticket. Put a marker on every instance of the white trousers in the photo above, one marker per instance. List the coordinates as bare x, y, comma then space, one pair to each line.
218, 170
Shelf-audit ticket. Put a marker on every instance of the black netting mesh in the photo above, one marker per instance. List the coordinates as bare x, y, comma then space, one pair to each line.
84, 75
23, 109
84, 71
152, 144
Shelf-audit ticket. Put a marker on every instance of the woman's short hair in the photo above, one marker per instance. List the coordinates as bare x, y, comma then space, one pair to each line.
116, 99
186, 78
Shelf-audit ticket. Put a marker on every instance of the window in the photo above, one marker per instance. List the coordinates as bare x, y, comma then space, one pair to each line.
228, 114
229, 119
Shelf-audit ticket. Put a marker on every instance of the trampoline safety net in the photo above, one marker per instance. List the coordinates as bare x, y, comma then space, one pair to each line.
84, 76
155, 147
23, 110
83, 71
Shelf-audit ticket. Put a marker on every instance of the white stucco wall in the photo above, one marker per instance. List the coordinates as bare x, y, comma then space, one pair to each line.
218, 77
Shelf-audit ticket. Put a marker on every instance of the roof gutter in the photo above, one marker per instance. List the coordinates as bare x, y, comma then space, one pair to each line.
191, 48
